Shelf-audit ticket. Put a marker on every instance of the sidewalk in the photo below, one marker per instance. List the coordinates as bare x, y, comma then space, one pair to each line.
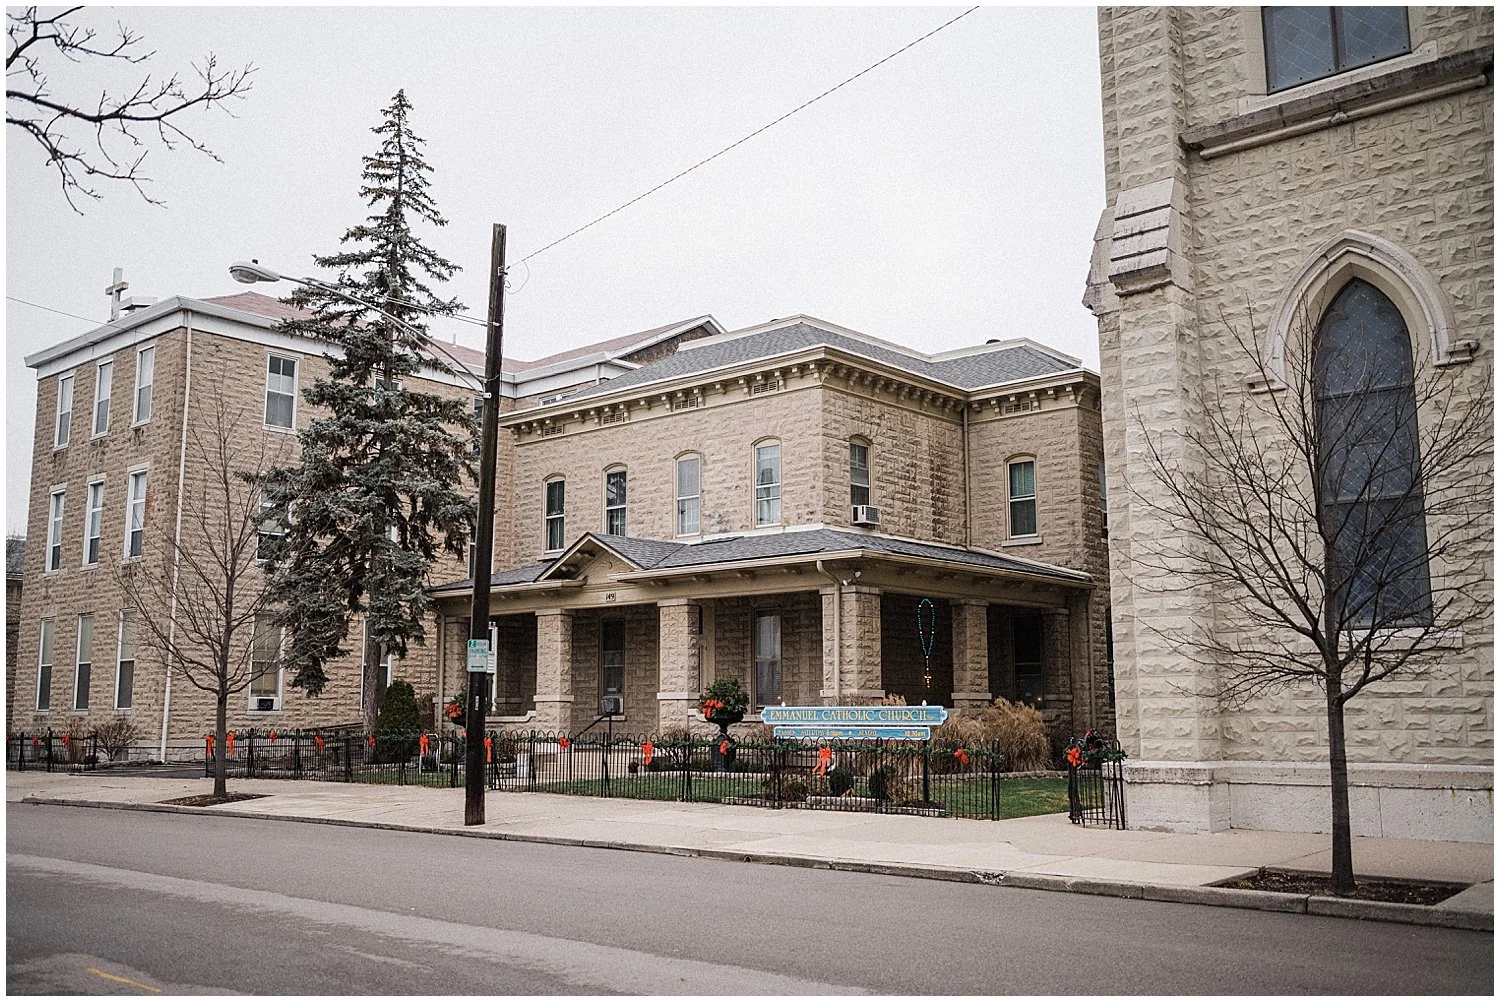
1040, 852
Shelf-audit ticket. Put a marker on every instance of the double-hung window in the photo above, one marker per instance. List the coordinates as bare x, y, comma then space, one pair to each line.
1026, 655
265, 664
44, 668
135, 514
84, 666
93, 523
64, 411
859, 474
125, 662
1309, 43
614, 502
145, 376
55, 528
768, 484
612, 657
281, 391
1023, 497
104, 381
689, 480
767, 658
556, 501
270, 531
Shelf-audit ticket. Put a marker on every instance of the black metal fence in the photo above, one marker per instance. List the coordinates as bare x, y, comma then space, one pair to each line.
1096, 783
436, 760
888, 777
50, 751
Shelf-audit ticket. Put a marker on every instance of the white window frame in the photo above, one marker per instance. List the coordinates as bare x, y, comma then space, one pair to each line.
148, 352
130, 502
624, 508
93, 521
79, 662
296, 361
756, 659
610, 624
45, 657
769, 486
251, 696
561, 515
126, 616
57, 502
855, 472
261, 532
62, 428
1011, 499
100, 383
696, 498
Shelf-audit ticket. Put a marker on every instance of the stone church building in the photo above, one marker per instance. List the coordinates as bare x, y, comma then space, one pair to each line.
1276, 174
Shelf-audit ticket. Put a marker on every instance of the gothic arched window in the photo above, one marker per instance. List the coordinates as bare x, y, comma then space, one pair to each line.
1370, 496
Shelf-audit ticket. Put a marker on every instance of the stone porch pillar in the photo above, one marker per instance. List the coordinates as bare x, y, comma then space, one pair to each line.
858, 633
679, 661
554, 669
971, 653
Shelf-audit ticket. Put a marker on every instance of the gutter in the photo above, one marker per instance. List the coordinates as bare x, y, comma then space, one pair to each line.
187, 393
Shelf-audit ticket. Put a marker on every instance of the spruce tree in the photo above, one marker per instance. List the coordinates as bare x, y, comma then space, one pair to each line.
384, 479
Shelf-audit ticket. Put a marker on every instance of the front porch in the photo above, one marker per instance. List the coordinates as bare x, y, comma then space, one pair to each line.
833, 624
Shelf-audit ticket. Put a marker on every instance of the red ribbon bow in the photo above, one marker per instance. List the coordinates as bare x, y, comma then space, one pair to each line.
65, 740
422, 744
272, 737
35, 741
318, 740
488, 749
962, 756
1075, 756
229, 742
208, 744
647, 750
563, 743
825, 755
372, 741
724, 747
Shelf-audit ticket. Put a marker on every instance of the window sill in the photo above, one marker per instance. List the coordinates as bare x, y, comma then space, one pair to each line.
279, 429
263, 713
1023, 541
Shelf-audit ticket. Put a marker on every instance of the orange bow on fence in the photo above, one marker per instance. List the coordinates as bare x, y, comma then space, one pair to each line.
422, 744
318, 740
372, 741
489, 748
825, 755
962, 756
65, 740
229, 742
271, 737
724, 747
563, 743
647, 750
1075, 756
208, 744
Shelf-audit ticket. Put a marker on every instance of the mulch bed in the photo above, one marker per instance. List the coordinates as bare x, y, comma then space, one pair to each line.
1406, 892
209, 800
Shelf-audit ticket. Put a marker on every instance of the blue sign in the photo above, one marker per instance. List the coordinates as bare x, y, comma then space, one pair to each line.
855, 716
823, 732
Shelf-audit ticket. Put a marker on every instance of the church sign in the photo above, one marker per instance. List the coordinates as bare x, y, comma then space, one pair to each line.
891, 723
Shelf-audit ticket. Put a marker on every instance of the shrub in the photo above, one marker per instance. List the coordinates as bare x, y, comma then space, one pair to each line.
793, 787
116, 737
893, 699
1021, 733
724, 695
756, 734
887, 783
397, 726
840, 781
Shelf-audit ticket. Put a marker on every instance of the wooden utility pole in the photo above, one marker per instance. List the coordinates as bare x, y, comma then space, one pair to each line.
484, 537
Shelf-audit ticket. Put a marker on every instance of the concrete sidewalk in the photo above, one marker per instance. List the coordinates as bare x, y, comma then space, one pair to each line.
1045, 851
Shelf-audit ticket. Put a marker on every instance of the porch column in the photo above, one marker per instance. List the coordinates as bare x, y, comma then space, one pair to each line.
554, 669
679, 661
860, 663
971, 653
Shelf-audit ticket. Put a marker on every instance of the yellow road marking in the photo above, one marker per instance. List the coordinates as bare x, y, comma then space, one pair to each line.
124, 981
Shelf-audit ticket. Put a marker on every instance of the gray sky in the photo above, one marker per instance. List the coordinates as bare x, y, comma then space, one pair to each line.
945, 198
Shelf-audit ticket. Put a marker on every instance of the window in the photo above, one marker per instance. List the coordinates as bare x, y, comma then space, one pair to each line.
64, 411
1026, 650
145, 374
104, 382
612, 657
556, 491
768, 484
55, 529
135, 515
1370, 494
859, 474
270, 532
85, 663
281, 391
688, 495
767, 658
125, 666
1023, 497
387, 668
265, 662
44, 668
614, 502
93, 523
1308, 43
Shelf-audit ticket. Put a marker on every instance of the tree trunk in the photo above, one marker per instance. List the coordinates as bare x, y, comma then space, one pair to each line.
370, 705
1338, 775
221, 767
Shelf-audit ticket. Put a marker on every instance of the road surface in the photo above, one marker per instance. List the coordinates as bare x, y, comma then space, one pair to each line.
128, 902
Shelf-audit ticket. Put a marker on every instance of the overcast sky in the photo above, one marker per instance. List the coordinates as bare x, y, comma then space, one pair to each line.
947, 197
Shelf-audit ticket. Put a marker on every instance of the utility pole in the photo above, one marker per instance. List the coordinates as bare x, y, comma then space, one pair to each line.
484, 540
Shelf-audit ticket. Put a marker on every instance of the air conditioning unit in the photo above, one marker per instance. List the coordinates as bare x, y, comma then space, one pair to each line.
267, 703
611, 706
865, 514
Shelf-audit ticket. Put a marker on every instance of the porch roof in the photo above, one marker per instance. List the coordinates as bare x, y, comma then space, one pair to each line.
655, 559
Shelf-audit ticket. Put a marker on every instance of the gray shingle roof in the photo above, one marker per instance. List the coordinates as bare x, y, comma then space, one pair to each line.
641, 552
15, 555
1005, 363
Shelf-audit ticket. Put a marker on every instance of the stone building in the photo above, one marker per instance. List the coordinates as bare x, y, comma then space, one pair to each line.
15, 576
827, 517
113, 467
1262, 164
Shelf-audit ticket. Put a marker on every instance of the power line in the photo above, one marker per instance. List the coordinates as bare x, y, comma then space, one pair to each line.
39, 306
746, 139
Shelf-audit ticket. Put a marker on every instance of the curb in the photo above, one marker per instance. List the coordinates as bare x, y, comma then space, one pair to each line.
1220, 897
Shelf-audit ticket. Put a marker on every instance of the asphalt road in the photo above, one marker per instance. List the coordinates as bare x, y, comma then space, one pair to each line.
125, 902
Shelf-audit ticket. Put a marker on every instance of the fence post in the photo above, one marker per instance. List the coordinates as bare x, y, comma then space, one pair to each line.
21, 753
452, 761
297, 754
49, 749
348, 759
926, 772
994, 782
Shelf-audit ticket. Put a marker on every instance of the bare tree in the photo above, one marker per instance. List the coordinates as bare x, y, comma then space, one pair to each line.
104, 138
198, 608
1342, 517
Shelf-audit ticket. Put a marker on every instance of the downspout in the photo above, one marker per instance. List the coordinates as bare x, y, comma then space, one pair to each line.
187, 391
968, 510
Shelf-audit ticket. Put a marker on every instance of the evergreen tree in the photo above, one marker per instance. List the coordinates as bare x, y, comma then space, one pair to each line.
381, 486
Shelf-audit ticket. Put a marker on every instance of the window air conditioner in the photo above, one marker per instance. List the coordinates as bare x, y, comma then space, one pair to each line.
265, 702
611, 706
865, 514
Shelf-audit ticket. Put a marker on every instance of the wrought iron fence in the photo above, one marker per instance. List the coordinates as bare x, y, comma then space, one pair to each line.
50, 751
1096, 782
436, 760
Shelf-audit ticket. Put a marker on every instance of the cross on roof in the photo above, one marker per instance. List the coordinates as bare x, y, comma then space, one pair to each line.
113, 292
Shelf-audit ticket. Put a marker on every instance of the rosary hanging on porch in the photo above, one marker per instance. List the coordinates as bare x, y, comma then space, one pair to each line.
927, 638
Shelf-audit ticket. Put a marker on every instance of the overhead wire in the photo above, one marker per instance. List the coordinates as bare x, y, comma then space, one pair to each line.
61, 313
